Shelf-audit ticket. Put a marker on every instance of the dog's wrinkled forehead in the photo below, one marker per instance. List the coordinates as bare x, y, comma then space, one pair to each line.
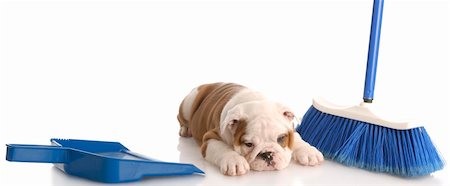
266, 127
261, 116
265, 113
256, 108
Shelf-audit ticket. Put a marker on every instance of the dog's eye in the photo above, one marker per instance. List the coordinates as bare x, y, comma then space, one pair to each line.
248, 144
281, 139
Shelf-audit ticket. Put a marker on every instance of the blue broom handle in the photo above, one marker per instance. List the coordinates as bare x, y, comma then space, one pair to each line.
374, 45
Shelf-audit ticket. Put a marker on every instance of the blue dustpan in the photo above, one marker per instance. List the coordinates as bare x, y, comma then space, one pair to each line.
101, 161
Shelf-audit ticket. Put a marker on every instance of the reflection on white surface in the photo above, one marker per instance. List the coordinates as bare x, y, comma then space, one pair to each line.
329, 173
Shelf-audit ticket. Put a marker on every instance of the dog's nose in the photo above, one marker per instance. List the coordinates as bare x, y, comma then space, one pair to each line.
266, 156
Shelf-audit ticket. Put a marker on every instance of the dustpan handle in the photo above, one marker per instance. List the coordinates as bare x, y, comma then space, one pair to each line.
374, 45
36, 153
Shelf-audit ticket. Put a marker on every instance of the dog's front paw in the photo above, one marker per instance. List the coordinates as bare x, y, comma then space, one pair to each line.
234, 164
185, 132
308, 155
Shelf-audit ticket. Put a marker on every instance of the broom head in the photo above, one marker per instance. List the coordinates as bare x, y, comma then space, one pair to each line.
354, 136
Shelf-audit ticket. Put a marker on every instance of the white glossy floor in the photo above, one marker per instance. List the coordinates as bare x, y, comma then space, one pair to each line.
330, 173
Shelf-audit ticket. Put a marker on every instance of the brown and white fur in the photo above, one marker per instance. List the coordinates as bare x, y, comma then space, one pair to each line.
239, 129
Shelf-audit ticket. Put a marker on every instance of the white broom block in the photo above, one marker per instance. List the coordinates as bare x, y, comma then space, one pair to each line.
366, 112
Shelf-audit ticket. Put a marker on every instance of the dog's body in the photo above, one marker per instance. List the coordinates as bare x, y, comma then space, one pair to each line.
239, 129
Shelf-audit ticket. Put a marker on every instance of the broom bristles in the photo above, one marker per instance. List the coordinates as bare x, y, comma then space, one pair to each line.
407, 153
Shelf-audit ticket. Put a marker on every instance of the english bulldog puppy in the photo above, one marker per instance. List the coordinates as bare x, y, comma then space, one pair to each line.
239, 129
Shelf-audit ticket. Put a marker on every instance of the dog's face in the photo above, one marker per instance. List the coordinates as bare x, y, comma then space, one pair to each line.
262, 132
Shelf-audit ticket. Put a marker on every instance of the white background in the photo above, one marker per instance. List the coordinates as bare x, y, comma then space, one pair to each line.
117, 71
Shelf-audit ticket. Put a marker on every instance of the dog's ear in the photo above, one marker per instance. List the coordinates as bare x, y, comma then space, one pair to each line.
286, 111
231, 120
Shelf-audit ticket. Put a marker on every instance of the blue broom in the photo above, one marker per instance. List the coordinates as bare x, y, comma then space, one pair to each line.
355, 136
